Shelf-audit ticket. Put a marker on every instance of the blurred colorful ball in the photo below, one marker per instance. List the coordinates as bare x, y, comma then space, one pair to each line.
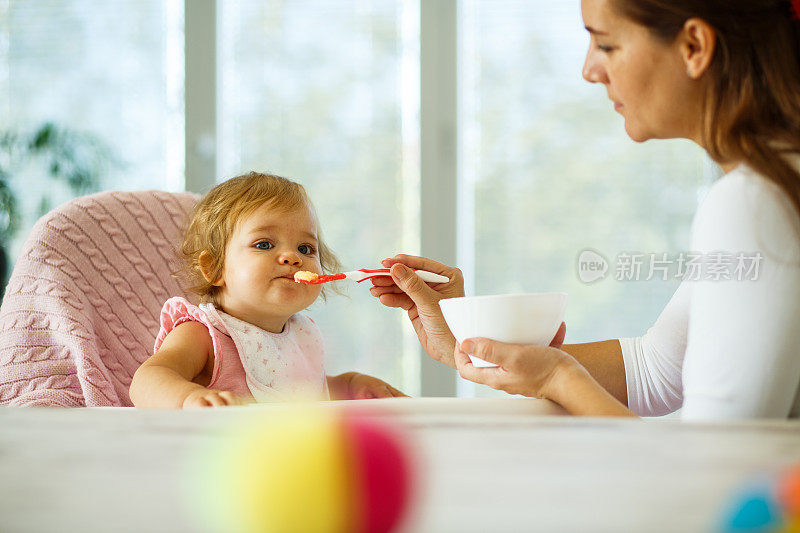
789, 491
309, 470
792, 526
754, 510
771, 505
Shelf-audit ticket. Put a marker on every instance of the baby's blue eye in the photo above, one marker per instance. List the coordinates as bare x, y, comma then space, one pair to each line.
305, 249
264, 245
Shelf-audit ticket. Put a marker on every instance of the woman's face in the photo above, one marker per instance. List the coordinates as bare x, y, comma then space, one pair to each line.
646, 79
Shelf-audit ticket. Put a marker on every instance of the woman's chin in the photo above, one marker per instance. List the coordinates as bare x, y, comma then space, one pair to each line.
635, 134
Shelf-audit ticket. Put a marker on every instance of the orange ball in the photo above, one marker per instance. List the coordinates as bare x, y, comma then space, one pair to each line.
789, 491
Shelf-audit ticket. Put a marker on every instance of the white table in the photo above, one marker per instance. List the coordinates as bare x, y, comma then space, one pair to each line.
492, 465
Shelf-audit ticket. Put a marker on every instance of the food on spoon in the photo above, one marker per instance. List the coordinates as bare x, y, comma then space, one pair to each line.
305, 275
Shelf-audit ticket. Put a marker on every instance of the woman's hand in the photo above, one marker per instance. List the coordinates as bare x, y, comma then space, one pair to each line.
540, 372
524, 369
406, 290
355, 386
203, 397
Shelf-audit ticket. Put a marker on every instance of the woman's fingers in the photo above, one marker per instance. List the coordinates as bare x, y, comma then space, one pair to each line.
468, 371
391, 295
405, 282
420, 263
523, 369
561, 334
379, 291
486, 349
460, 357
382, 281
401, 265
412, 285
397, 300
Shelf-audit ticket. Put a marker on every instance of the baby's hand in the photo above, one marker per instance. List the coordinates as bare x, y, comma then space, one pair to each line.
211, 398
364, 387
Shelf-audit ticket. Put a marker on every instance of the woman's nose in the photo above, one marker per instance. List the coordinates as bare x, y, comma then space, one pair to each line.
593, 72
290, 258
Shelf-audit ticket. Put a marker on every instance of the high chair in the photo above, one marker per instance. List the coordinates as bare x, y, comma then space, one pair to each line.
81, 309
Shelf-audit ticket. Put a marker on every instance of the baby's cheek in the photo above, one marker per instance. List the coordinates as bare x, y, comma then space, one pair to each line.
317, 290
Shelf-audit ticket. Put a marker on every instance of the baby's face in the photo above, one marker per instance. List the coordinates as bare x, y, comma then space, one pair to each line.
265, 250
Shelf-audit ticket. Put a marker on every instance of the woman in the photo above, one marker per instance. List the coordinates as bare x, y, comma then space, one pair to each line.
726, 75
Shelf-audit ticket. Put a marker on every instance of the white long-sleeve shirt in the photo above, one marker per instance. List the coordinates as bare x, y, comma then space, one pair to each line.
728, 349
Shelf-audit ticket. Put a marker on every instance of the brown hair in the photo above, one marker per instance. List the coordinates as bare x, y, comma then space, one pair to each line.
753, 98
215, 217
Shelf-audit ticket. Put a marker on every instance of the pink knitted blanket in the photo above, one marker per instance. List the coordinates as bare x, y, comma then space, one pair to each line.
81, 309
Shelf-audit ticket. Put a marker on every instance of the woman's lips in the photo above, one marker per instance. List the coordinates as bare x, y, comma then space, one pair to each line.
617, 106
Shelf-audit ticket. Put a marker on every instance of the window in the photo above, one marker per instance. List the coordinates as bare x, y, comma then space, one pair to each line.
335, 94
323, 92
555, 173
113, 70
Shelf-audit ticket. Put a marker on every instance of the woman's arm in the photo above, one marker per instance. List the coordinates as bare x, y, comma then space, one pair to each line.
539, 372
655, 359
574, 389
165, 379
643, 373
603, 361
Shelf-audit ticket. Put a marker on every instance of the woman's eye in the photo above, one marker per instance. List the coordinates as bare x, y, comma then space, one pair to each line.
264, 245
305, 249
605, 48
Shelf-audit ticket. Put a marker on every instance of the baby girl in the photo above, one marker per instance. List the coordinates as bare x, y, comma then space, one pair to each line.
247, 341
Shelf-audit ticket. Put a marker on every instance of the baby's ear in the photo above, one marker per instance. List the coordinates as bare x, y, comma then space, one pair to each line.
205, 263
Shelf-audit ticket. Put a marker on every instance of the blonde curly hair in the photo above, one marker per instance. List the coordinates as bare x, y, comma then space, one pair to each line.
215, 217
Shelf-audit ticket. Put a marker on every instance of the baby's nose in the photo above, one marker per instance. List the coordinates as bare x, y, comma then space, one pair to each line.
290, 258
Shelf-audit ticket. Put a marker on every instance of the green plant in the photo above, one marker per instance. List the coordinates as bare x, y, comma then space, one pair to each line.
74, 158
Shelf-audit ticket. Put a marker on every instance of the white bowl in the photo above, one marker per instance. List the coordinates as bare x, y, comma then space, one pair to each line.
511, 318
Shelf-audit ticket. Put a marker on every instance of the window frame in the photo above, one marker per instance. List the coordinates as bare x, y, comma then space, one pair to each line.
438, 134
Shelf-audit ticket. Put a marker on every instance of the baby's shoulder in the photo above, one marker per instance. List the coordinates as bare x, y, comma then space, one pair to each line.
178, 310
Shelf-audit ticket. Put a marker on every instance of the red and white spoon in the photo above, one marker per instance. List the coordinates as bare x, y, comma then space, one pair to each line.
364, 274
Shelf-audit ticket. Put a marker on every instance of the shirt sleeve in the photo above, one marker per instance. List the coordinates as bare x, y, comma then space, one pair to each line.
175, 312
653, 362
743, 354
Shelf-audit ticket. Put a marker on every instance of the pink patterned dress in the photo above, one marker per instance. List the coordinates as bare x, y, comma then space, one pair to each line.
250, 361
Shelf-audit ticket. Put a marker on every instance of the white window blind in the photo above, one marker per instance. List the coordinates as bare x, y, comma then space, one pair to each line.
326, 92
111, 69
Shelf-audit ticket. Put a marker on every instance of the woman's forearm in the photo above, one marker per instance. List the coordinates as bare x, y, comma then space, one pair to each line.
581, 395
160, 387
603, 360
